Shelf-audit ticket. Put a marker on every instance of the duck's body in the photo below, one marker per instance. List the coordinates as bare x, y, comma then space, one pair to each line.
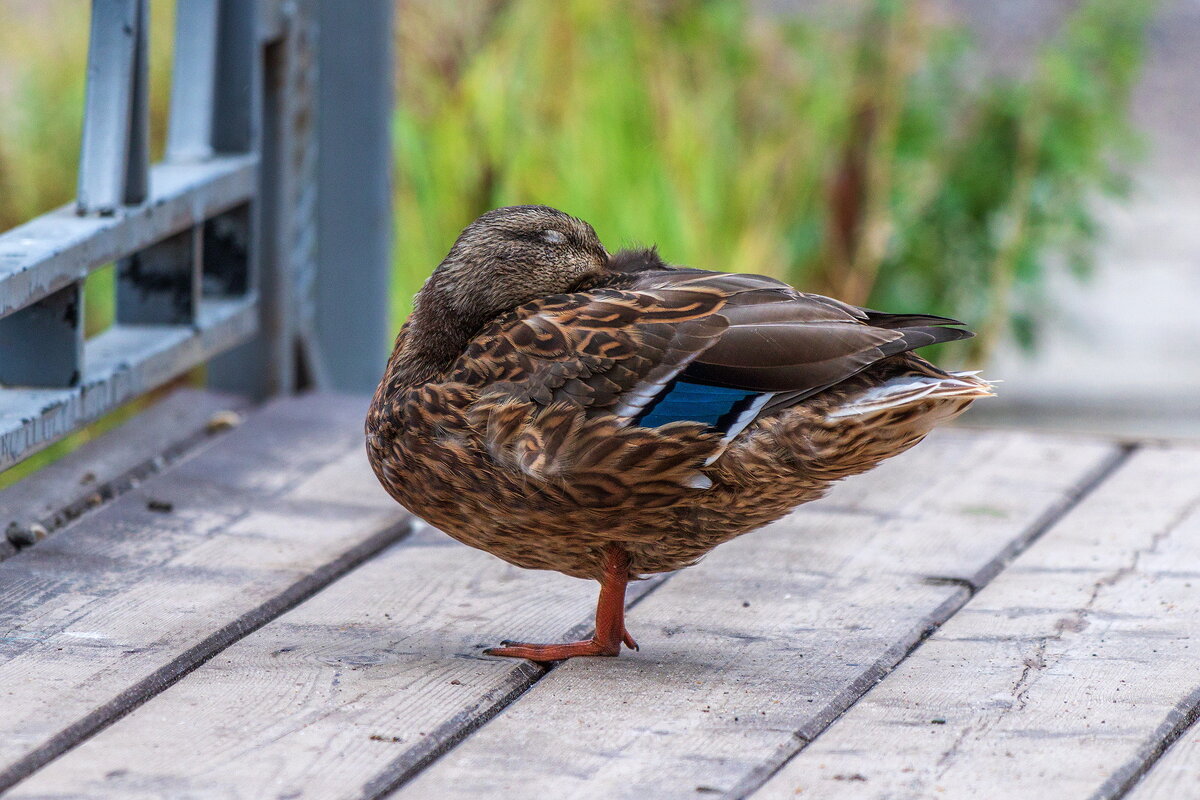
641, 415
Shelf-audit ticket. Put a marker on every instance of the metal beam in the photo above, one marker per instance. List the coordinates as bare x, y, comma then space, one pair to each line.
193, 81
121, 364
42, 345
354, 190
238, 78
59, 248
246, 119
114, 151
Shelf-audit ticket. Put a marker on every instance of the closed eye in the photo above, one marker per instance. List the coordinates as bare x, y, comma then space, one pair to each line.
552, 236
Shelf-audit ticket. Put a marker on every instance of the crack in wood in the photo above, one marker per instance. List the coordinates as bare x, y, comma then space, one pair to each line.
1109, 466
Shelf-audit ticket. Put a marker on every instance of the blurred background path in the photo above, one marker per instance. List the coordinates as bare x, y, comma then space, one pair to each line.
1123, 354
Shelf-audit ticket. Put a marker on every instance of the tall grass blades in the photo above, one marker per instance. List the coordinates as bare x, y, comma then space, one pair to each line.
864, 155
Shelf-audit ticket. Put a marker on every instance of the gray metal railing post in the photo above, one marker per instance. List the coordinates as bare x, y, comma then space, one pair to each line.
281, 132
354, 190
216, 247
239, 122
114, 154
193, 81
181, 232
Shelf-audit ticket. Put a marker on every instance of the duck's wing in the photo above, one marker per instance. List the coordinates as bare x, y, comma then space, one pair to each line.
551, 375
784, 343
633, 386
594, 349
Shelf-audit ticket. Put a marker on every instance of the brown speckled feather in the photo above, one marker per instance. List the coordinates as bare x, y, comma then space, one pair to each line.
516, 429
550, 376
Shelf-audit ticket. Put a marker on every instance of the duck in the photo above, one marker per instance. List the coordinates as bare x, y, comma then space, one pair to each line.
612, 417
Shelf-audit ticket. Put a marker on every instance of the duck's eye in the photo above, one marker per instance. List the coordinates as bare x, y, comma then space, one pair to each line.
553, 237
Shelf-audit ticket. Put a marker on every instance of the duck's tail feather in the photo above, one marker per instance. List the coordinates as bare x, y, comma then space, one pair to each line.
904, 390
882, 319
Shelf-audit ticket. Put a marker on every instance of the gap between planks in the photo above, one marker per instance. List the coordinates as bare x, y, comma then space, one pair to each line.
1169, 770
102, 469
122, 604
322, 681
1079, 658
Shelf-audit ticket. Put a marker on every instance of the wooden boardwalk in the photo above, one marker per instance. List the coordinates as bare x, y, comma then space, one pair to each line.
992, 615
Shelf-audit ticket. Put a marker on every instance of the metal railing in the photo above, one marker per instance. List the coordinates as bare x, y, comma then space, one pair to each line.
216, 247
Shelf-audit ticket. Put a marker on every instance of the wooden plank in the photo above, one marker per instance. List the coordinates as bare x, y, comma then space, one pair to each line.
1063, 678
115, 462
363, 683
770, 638
357, 689
119, 605
958, 488
1177, 773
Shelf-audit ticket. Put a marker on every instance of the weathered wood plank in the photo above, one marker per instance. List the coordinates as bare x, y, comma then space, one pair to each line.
358, 688
754, 651
343, 695
1176, 774
1062, 679
111, 464
119, 605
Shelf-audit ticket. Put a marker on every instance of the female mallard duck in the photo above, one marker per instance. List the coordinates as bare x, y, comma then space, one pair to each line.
610, 417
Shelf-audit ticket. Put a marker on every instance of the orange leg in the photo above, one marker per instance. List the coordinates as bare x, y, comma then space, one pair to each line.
610, 620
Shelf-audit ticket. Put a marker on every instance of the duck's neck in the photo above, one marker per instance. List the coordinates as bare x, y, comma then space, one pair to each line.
432, 339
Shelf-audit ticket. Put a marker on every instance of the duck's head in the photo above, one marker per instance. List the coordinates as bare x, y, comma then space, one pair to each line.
504, 259
510, 256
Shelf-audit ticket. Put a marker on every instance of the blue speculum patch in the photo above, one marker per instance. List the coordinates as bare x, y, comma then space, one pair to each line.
715, 406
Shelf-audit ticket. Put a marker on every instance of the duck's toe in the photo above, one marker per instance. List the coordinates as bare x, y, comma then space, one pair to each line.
543, 653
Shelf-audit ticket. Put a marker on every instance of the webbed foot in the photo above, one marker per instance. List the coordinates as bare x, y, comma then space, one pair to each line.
610, 621
543, 653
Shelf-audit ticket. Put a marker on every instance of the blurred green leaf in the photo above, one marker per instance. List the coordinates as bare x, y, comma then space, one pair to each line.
869, 158
866, 156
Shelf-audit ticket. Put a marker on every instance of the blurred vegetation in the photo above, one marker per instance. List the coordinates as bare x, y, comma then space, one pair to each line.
866, 156
862, 154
